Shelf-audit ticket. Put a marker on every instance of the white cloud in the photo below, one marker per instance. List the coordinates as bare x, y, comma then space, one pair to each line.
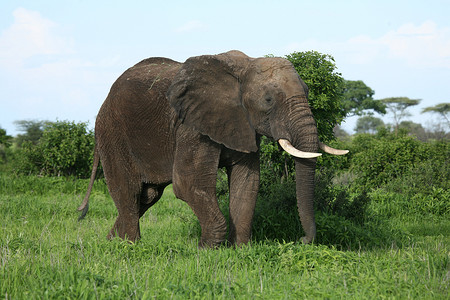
190, 26
30, 35
47, 78
425, 45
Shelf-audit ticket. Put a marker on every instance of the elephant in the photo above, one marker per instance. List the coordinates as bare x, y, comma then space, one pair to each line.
165, 122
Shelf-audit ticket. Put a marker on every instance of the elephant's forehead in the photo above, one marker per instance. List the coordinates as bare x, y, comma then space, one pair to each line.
284, 75
276, 68
272, 63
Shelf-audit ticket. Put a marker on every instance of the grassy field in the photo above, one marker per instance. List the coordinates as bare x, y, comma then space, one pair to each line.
45, 253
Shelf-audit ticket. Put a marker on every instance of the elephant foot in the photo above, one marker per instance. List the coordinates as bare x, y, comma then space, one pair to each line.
307, 240
211, 243
213, 240
131, 239
208, 245
237, 242
125, 231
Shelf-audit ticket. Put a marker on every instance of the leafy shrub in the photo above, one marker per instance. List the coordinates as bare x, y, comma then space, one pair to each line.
276, 215
65, 148
422, 178
390, 204
424, 190
384, 157
340, 199
277, 166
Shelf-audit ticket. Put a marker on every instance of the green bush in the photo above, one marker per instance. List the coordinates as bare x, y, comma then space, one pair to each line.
340, 199
423, 190
277, 166
384, 157
65, 149
276, 215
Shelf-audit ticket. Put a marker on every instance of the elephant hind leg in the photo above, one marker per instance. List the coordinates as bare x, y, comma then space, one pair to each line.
127, 223
126, 226
126, 199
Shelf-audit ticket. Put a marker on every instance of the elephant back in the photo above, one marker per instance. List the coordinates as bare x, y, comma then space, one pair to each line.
152, 70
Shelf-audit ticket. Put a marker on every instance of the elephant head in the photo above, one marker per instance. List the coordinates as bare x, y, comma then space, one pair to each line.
233, 99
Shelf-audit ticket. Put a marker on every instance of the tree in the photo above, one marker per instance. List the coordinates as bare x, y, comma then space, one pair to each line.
5, 139
32, 129
398, 107
5, 142
325, 85
442, 108
357, 98
368, 124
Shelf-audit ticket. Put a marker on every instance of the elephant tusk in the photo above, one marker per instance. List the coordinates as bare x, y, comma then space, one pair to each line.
287, 146
330, 150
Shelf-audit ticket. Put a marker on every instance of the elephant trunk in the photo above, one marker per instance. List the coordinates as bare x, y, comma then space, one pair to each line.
301, 132
299, 138
304, 171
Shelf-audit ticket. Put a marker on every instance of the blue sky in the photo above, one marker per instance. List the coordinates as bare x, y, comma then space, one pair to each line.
58, 59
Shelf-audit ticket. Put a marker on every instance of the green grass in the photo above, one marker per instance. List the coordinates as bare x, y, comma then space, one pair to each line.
46, 254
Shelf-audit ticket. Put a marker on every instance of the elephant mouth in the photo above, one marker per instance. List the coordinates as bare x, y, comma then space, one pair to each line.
287, 146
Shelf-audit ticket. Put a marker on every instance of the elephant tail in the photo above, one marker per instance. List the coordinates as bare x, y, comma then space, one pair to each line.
84, 207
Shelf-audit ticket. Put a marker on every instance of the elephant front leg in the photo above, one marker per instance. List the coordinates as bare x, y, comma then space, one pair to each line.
194, 181
199, 193
243, 177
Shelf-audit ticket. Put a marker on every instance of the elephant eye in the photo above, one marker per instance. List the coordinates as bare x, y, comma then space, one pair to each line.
269, 100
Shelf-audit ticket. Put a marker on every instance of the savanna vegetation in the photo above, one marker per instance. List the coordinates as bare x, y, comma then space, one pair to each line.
382, 214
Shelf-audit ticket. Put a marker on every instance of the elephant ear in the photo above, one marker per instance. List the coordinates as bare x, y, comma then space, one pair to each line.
206, 96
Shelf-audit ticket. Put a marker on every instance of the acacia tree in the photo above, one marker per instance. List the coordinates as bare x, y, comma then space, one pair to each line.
358, 98
442, 109
398, 107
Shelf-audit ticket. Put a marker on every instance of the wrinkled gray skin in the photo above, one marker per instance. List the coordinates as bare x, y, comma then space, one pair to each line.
165, 122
